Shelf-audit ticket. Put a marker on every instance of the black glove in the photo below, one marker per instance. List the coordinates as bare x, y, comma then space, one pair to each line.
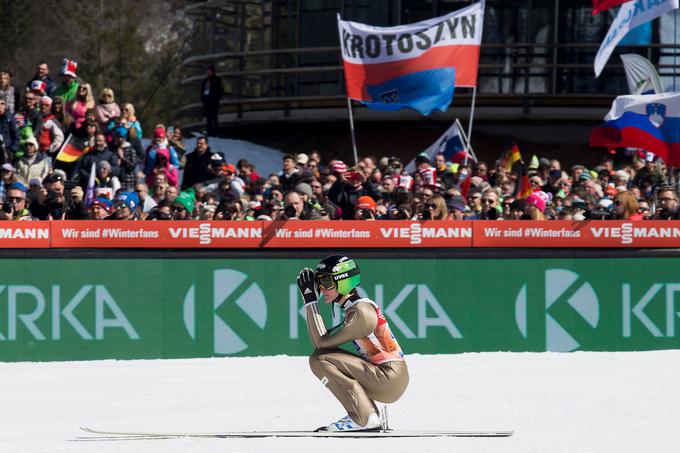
306, 285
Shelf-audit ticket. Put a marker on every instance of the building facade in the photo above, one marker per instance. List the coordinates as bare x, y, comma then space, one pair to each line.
281, 67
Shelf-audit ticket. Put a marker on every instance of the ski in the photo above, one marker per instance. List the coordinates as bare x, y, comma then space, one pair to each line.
260, 434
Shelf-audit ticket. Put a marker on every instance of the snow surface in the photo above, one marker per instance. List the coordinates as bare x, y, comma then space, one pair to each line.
266, 160
573, 402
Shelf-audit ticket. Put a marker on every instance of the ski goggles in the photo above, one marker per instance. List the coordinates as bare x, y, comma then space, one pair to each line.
325, 281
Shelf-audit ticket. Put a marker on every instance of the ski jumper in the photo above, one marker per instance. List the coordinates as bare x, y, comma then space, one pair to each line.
378, 373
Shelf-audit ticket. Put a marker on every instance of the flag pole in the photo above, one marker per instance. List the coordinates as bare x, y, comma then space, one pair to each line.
472, 117
468, 147
351, 127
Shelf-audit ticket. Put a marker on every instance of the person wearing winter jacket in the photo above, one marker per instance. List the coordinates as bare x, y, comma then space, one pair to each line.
50, 135
107, 109
77, 108
159, 141
163, 165
33, 164
98, 153
9, 133
8, 92
42, 75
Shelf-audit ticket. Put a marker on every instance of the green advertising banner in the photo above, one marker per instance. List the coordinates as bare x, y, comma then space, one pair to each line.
153, 308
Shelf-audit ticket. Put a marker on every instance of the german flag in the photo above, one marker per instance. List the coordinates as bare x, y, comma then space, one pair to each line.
523, 186
511, 156
73, 149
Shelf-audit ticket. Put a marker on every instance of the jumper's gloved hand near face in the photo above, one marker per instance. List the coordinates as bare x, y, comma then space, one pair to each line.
307, 286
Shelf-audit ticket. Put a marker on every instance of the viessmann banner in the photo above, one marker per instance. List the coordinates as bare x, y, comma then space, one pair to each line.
147, 309
346, 234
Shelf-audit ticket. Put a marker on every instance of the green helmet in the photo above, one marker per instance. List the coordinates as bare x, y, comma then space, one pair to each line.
338, 271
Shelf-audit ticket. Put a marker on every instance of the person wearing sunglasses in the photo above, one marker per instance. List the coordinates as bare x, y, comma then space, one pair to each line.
14, 207
378, 371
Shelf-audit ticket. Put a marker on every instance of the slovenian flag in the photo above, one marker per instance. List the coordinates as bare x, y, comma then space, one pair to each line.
412, 66
452, 145
650, 122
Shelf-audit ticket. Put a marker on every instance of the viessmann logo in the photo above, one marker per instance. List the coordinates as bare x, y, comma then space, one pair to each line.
417, 232
627, 232
231, 289
205, 233
561, 286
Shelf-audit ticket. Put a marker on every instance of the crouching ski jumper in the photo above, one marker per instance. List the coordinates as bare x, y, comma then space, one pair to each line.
378, 372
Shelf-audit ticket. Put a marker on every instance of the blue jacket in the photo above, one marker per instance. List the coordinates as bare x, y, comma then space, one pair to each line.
9, 133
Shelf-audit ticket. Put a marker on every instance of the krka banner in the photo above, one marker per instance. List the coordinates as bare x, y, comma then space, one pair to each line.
412, 66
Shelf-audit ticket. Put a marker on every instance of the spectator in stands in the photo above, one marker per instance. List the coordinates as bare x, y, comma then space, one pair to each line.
196, 169
125, 207
15, 206
130, 122
33, 164
42, 74
77, 107
211, 93
50, 135
57, 203
159, 141
130, 154
535, 205
667, 204
176, 141
99, 153
474, 200
295, 208
171, 193
626, 207
490, 207
106, 183
183, 206
365, 209
68, 89
145, 201
163, 165
29, 112
101, 208
290, 176
8, 92
348, 188
435, 209
456, 208
107, 109
645, 209
58, 111
9, 134
7, 178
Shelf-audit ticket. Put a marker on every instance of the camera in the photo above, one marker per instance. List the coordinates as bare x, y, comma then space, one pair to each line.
164, 216
427, 215
401, 214
68, 186
290, 211
7, 207
366, 214
600, 214
665, 214
51, 196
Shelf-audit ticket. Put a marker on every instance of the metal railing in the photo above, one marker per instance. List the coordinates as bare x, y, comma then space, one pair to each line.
511, 73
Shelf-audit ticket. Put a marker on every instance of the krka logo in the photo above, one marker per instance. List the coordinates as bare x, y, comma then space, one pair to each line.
235, 301
561, 287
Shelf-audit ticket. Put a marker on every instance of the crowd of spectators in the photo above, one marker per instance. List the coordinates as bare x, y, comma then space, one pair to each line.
163, 181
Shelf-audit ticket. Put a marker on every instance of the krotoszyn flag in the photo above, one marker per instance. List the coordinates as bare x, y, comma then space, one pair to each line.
412, 66
647, 121
602, 5
631, 15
